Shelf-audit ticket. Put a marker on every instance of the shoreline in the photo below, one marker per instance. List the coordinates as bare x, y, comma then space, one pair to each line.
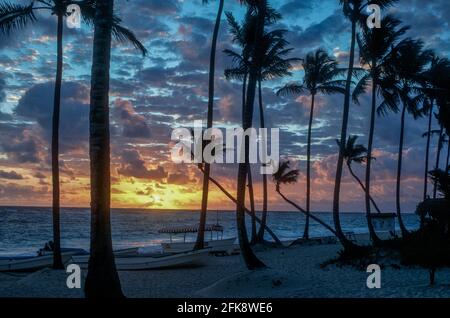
293, 272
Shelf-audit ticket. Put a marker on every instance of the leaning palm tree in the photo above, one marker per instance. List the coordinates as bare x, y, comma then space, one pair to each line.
322, 76
407, 63
375, 45
273, 63
437, 77
199, 244
102, 280
286, 175
354, 11
15, 17
357, 153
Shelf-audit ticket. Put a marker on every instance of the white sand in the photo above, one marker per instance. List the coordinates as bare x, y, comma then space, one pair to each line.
294, 272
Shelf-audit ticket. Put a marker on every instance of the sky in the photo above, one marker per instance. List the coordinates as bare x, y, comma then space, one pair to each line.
168, 89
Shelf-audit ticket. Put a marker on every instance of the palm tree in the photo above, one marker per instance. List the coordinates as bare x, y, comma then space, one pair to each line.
233, 199
251, 195
257, 10
102, 280
436, 79
272, 62
321, 77
374, 49
359, 154
354, 11
286, 175
407, 63
440, 146
212, 68
16, 17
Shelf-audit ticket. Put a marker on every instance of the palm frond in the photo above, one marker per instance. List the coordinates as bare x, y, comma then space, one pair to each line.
290, 89
15, 16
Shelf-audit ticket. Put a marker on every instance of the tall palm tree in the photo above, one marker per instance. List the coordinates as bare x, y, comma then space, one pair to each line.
374, 49
212, 68
14, 17
354, 11
321, 77
272, 62
257, 10
357, 153
407, 63
286, 175
436, 79
102, 280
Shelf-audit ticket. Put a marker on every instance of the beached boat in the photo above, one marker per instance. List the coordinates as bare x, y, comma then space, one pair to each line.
218, 245
153, 261
32, 263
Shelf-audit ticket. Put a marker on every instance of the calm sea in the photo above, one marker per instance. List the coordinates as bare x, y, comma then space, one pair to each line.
26, 229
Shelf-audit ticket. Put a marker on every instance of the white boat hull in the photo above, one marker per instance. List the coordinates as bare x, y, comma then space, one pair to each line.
193, 258
32, 263
226, 245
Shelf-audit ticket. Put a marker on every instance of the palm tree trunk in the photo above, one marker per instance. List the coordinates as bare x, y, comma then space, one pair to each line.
364, 190
347, 244
199, 244
373, 234
264, 176
229, 196
448, 155
308, 167
250, 258
329, 228
399, 173
427, 152
57, 259
252, 206
102, 280
438, 158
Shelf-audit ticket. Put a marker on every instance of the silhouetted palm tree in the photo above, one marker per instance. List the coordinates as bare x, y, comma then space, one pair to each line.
357, 153
437, 77
407, 62
272, 62
374, 48
286, 175
251, 195
102, 280
354, 10
15, 17
212, 68
321, 77
257, 10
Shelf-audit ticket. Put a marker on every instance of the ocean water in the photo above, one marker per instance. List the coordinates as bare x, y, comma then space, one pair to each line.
26, 229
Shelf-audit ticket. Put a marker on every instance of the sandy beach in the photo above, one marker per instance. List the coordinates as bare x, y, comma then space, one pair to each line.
293, 272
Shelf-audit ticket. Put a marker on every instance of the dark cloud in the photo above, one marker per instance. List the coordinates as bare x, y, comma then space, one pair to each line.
134, 166
133, 124
37, 105
11, 175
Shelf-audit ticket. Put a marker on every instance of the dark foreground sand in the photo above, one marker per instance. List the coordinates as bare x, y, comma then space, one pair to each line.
293, 272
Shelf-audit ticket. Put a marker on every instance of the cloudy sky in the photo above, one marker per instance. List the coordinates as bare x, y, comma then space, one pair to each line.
153, 95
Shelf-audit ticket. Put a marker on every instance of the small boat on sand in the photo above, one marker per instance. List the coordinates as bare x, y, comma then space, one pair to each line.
32, 263
152, 261
217, 245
